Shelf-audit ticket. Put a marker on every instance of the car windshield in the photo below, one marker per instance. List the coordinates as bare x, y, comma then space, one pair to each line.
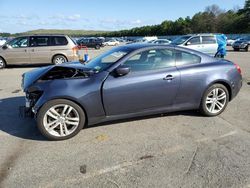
105, 60
180, 40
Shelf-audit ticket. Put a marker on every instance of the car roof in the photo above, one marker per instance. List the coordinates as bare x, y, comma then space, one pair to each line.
43, 35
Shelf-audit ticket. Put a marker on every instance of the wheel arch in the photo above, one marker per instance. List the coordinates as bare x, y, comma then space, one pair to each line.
4, 59
72, 100
224, 83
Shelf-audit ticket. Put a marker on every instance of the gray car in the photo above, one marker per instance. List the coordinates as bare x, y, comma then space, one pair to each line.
38, 49
128, 81
241, 44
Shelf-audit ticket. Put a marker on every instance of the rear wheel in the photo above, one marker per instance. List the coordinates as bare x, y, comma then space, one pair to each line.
246, 49
60, 119
97, 47
214, 100
2, 63
59, 59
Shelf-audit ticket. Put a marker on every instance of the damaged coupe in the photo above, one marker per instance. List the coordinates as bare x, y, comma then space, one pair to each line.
128, 81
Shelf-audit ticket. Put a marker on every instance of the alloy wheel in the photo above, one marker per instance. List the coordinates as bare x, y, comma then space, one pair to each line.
61, 120
1, 63
216, 100
60, 60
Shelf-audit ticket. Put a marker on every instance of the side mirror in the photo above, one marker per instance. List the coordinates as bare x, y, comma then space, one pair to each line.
188, 43
122, 70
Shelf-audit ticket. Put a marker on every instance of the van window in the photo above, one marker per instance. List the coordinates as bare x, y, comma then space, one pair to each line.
185, 58
39, 41
208, 40
58, 41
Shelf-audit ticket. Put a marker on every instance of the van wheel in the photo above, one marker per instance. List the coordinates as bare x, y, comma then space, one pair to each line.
97, 47
59, 59
2, 63
246, 49
214, 100
60, 119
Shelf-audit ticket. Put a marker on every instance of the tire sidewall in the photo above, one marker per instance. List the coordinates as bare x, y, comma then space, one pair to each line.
47, 106
203, 107
4, 63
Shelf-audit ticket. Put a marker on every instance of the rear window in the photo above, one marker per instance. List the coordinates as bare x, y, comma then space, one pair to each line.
58, 41
208, 40
185, 58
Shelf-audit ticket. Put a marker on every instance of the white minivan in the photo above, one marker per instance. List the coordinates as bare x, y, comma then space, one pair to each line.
205, 43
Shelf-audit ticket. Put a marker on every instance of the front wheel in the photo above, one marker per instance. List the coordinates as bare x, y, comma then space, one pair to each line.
60, 119
246, 49
214, 100
2, 63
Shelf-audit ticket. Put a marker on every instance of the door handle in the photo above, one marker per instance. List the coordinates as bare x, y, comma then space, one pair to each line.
25, 50
168, 77
32, 50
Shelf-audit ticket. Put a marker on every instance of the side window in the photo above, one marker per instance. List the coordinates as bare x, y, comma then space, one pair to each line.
58, 41
20, 42
185, 58
194, 41
39, 41
151, 60
208, 40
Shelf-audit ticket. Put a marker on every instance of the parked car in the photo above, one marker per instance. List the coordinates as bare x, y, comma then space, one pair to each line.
111, 42
160, 41
2, 42
128, 81
205, 43
37, 49
91, 42
230, 42
242, 43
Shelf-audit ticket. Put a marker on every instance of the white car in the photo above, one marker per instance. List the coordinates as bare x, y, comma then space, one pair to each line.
111, 42
206, 43
230, 42
2, 42
160, 41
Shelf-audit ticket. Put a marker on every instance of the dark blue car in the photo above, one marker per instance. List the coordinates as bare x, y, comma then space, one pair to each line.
128, 81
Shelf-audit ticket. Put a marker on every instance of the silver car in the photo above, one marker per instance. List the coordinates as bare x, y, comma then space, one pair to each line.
205, 43
38, 49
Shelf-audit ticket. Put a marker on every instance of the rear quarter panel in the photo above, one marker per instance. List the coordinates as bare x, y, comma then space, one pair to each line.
195, 79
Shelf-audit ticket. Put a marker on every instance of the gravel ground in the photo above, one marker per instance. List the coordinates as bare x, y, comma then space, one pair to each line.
180, 149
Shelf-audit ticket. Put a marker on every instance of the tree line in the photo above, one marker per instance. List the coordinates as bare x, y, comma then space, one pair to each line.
212, 20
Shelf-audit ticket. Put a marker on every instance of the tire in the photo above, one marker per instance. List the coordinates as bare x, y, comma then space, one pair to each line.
97, 47
2, 63
68, 117
246, 49
213, 104
59, 59
236, 49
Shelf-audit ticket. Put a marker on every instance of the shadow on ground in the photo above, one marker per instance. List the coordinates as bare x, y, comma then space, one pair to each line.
13, 124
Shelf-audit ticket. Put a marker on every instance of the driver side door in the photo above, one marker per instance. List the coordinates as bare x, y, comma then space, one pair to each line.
152, 83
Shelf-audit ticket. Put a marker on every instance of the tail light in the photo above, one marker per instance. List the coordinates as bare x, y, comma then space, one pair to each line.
75, 50
238, 68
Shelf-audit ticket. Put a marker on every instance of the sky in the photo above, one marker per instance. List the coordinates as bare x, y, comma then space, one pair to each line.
24, 15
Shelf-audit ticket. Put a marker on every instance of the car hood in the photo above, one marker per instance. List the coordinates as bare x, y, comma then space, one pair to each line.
63, 71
